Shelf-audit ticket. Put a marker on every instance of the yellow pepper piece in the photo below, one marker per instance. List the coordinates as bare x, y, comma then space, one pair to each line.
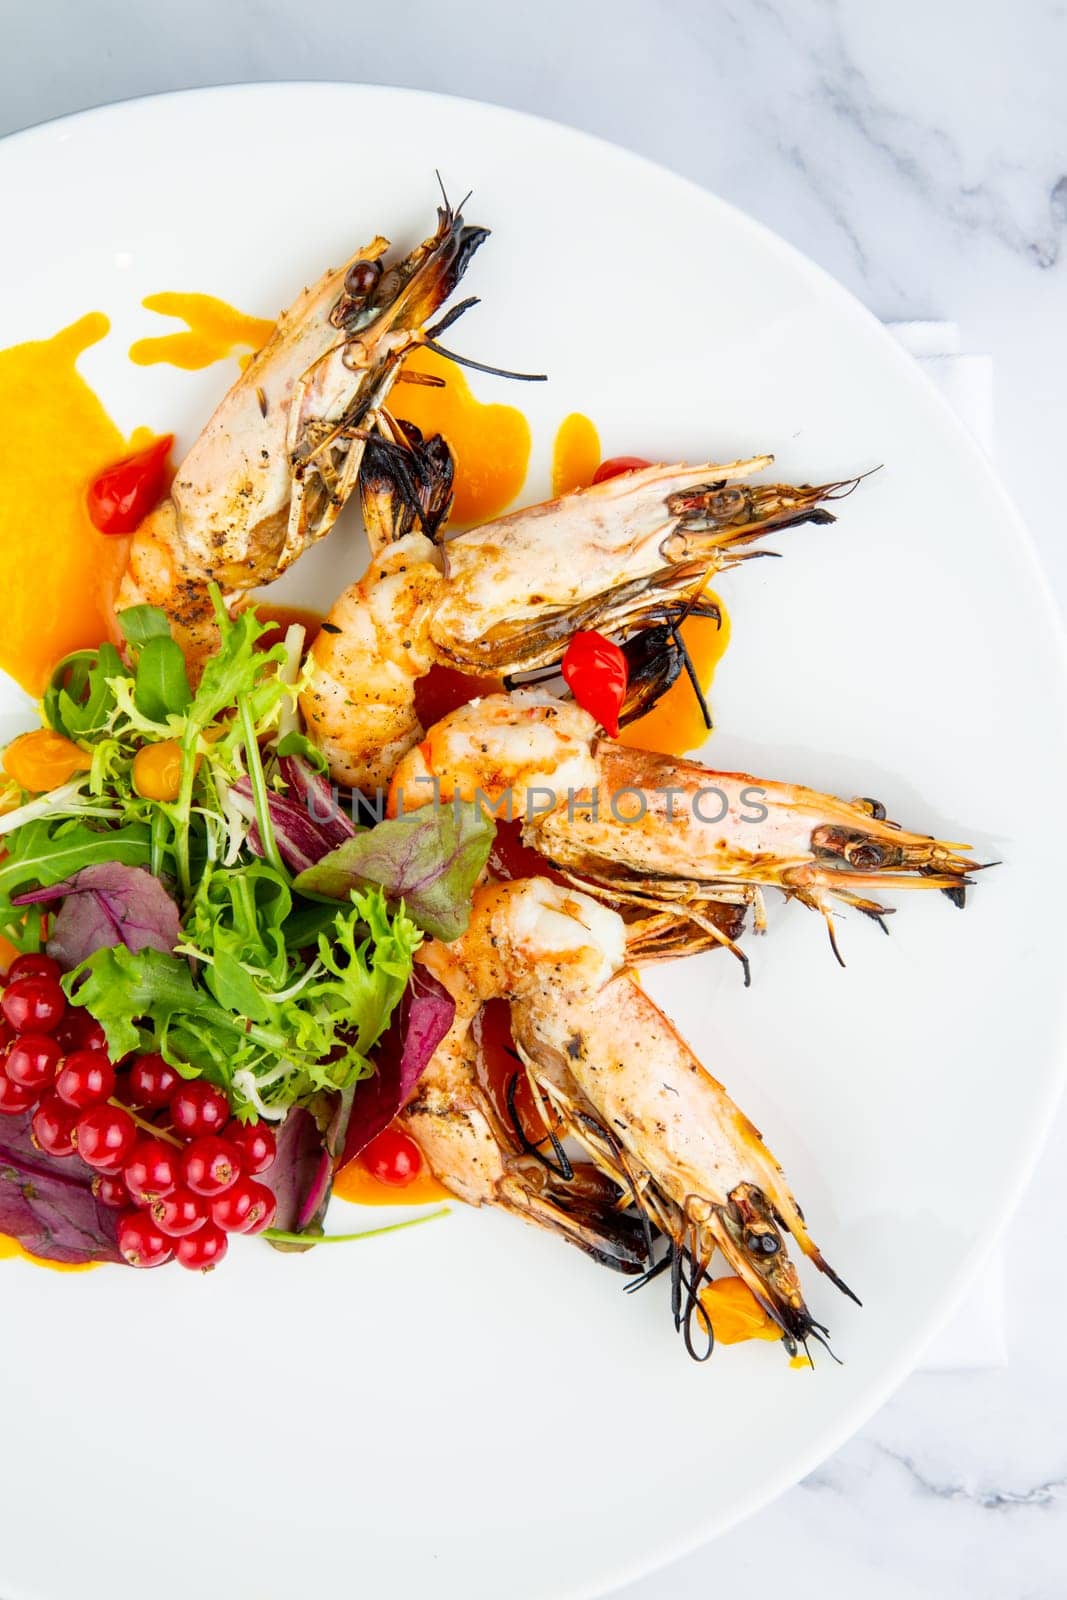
42, 760
735, 1313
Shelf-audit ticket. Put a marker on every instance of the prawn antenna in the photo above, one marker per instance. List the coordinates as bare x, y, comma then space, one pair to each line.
481, 366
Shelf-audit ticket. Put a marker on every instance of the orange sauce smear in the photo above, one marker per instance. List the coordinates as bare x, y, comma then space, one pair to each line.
59, 575
361, 1188
576, 454
491, 443
213, 330
676, 724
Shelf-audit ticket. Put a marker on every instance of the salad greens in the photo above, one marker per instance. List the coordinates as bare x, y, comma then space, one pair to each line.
175, 909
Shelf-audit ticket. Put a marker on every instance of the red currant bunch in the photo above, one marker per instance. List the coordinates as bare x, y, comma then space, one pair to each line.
166, 1152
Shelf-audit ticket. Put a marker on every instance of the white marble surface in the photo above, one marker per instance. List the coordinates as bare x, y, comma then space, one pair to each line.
919, 152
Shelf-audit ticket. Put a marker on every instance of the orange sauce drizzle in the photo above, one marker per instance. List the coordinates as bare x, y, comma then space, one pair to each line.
491, 443
213, 330
59, 575
576, 454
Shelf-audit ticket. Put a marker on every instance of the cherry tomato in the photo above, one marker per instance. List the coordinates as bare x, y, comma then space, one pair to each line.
615, 466
595, 671
42, 760
393, 1158
123, 495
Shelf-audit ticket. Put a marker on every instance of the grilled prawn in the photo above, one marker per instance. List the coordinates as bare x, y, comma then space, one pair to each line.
628, 554
277, 461
615, 1077
635, 827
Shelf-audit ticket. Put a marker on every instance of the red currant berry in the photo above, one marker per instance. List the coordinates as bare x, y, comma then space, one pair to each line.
14, 1097
79, 1031
179, 1213
202, 1250
32, 1061
230, 1211
85, 1079
255, 1141
197, 1108
33, 1005
211, 1165
53, 1126
152, 1082
263, 1210
111, 1190
141, 1242
152, 1170
34, 965
104, 1137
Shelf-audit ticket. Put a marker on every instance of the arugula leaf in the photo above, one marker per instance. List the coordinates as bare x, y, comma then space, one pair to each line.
141, 623
79, 699
162, 687
430, 859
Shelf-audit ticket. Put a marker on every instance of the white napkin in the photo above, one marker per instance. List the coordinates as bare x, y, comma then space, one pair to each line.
975, 1337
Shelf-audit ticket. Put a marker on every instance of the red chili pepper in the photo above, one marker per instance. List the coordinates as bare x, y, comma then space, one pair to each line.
615, 466
595, 671
123, 495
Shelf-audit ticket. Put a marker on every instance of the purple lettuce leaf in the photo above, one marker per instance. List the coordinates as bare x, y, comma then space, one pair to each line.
105, 905
308, 823
48, 1205
419, 1023
430, 859
302, 1173
317, 795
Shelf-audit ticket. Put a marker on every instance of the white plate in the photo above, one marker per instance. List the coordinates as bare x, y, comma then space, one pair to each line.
472, 1409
